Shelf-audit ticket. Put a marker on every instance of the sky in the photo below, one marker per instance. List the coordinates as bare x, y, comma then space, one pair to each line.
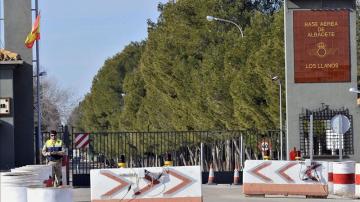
77, 36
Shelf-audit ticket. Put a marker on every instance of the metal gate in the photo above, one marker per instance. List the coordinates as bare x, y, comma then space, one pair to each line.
326, 141
225, 150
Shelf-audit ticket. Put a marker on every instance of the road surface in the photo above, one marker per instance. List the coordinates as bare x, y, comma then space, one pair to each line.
227, 193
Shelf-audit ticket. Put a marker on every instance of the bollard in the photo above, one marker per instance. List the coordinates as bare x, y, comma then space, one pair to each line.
168, 161
122, 163
211, 176
266, 155
344, 178
236, 177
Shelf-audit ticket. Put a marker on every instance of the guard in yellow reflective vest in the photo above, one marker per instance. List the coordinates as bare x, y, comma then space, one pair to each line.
54, 151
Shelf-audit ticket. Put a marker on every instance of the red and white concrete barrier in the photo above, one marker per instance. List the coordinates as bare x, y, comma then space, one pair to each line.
357, 180
344, 178
330, 178
285, 178
158, 184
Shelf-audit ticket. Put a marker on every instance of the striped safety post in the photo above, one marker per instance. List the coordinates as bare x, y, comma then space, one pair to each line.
330, 178
344, 178
357, 180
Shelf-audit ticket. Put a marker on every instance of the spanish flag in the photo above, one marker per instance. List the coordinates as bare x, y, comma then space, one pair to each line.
34, 34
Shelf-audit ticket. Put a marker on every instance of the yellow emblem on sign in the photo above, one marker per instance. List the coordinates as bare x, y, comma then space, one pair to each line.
321, 50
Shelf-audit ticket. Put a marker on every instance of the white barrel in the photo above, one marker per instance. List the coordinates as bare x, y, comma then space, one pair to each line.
39, 194
344, 178
357, 180
0, 184
14, 194
330, 178
42, 172
16, 179
14, 185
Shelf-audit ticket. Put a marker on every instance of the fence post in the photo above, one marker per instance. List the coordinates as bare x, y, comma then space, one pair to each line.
241, 150
37, 146
202, 157
66, 139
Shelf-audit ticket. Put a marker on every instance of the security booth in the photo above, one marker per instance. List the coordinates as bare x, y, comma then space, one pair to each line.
321, 67
16, 112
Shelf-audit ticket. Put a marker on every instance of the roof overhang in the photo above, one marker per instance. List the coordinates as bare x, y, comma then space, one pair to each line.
15, 62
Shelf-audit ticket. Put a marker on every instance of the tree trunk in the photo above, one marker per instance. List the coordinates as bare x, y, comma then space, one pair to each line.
228, 156
191, 156
237, 155
183, 159
248, 156
214, 157
218, 158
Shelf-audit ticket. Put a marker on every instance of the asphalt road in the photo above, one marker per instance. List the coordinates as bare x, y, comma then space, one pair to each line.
227, 193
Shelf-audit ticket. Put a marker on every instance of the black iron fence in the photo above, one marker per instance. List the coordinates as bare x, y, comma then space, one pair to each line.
326, 142
224, 150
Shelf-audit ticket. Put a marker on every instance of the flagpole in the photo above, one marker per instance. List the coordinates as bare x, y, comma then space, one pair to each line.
38, 89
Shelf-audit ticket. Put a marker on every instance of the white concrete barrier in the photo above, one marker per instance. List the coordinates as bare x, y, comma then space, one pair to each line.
285, 178
41, 194
42, 172
160, 184
344, 178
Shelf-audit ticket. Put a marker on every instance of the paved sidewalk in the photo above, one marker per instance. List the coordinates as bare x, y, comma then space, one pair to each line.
227, 193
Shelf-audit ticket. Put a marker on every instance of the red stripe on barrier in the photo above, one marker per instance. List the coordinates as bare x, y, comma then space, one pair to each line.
344, 178
330, 177
357, 179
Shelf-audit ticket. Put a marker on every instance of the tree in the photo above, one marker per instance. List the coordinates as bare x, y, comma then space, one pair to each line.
191, 74
102, 107
56, 104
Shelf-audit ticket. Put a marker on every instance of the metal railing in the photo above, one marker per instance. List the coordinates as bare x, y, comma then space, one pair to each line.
224, 150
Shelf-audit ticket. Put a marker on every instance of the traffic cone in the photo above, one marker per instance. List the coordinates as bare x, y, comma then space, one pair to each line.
211, 176
236, 177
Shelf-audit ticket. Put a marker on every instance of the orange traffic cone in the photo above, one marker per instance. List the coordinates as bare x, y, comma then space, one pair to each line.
211, 176
236, 177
